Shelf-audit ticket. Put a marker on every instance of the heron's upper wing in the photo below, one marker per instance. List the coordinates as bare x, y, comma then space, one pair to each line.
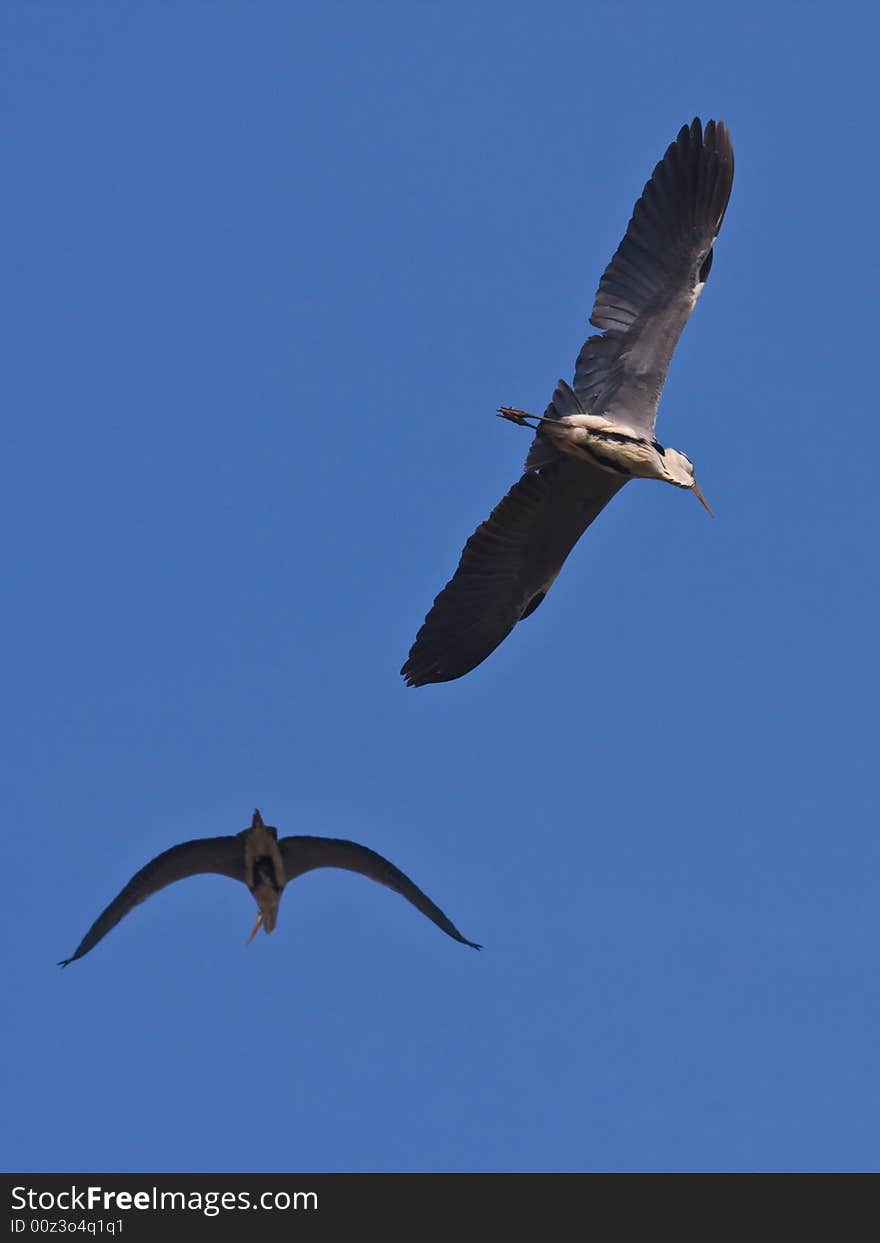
224, 855
651, 285
507, 566
302, 854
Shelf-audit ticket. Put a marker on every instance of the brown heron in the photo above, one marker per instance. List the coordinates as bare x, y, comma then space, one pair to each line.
265, 864
597, 435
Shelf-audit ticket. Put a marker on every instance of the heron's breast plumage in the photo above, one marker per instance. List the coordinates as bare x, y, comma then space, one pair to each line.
612, 447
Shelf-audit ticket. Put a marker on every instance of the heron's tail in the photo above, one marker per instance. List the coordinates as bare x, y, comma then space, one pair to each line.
543, 452
565, 402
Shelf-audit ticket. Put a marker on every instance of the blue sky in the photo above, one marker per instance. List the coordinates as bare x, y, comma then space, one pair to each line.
271, 269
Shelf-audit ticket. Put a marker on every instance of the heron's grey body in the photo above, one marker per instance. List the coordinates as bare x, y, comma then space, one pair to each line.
599, 433
598, 441
266, 865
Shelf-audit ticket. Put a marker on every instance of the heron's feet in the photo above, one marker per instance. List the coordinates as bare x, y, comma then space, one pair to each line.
517, 416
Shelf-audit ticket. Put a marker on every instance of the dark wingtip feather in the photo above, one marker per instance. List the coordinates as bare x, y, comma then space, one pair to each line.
512, 558
453, 932
413, 675
688, 191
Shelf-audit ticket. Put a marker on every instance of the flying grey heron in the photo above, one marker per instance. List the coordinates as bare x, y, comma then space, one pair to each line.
597, 435
265, 864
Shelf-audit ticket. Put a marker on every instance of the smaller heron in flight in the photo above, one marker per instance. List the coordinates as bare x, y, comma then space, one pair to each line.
599, 433
264, 863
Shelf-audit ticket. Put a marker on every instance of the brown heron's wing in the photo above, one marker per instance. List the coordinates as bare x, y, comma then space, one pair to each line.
224, 855
650, 287
508, 566
303, 854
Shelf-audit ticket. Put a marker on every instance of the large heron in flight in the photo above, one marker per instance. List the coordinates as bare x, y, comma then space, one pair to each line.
265, 864
597, 435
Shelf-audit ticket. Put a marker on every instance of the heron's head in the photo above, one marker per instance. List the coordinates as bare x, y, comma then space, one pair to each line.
680, 471
257, 823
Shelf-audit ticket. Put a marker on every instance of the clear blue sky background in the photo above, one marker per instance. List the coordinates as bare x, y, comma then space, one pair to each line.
270, 268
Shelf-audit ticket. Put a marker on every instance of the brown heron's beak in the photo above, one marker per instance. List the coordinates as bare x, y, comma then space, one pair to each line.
255, 929
698, 494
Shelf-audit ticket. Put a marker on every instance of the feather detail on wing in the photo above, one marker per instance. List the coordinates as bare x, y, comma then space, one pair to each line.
653, 281
507, 567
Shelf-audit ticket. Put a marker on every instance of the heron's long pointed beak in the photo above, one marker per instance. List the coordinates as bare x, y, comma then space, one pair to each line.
698, 494
255, 929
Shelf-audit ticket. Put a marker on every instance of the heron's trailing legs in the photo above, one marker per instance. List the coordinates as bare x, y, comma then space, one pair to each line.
256, 928
521, 417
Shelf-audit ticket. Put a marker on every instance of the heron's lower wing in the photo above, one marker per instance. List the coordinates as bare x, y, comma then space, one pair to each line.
652, 283
303, 854
507, 567
223, 855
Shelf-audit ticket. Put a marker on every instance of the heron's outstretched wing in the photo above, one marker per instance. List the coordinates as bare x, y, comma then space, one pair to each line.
652, 284
303, 854
507, 567
224, 855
